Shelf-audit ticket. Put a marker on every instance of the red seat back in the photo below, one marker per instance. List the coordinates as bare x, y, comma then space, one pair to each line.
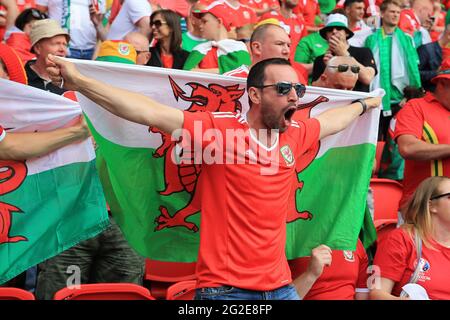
387, 194
169, 271
7, 293
183, 290
105, 291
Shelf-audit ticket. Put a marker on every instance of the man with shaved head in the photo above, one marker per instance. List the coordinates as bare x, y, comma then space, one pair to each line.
341, 73
141, 44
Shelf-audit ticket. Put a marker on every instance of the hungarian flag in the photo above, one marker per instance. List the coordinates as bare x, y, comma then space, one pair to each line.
49, 203
225, 54
154, 200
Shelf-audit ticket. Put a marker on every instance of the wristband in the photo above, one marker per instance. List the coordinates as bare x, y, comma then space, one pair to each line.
364, 105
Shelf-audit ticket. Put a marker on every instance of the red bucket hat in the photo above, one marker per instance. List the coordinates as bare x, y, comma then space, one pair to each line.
443, 72
13, 64
218, 10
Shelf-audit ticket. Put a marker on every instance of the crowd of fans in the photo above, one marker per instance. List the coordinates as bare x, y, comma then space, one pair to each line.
401, 46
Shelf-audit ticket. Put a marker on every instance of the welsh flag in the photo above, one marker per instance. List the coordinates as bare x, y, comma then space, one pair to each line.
154, 200
50, 203
231, 54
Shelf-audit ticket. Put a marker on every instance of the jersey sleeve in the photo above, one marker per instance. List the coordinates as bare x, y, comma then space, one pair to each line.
409, 120
2, 133
308, 135
393, 255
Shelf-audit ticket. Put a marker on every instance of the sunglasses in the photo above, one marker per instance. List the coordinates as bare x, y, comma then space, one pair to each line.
38, 15
283, 88
344, 68
157, 23
441, 196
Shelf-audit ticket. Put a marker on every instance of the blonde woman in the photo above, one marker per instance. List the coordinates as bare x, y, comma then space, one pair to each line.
427, 215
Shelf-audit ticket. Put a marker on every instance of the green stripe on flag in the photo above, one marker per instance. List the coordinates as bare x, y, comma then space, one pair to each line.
336, 197
193, 60
60, 208
132, 180
233, 60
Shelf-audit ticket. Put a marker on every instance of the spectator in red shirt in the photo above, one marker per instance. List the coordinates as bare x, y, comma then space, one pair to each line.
427, 227
423, 135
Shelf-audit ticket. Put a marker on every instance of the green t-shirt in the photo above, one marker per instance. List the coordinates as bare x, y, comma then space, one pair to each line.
189, 41
326, 6
310, 47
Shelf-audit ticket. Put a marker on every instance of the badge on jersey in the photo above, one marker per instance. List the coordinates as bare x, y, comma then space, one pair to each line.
287, 154
348, 255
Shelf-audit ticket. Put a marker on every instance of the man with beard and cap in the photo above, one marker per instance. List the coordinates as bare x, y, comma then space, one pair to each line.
242, 239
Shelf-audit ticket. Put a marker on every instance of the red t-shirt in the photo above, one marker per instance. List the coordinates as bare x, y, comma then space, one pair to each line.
261, 4
210, 60
294, 26
346, 275
2, 133
167, 60
242, 14
244, 208
309, 9
427, 120
396, 257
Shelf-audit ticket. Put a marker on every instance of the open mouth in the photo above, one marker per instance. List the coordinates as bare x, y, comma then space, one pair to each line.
289, 113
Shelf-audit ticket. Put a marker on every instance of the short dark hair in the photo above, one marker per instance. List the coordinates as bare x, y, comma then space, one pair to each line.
27, 16
348, 3
256, 76
173, 22
386, 3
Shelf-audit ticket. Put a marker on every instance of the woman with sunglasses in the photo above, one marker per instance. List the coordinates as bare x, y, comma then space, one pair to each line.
166, 31
425, 234
17, 37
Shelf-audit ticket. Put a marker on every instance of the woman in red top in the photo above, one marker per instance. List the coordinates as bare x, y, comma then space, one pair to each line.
166, 31
428, 215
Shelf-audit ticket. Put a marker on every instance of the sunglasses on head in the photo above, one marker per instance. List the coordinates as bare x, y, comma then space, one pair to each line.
441, 196
283, 88
344, 68
36, 14
157, 23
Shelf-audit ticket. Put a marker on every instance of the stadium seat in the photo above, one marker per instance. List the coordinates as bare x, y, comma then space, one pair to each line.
378, 154
8, 293
162, 274
386, 196
105, 291
183, 290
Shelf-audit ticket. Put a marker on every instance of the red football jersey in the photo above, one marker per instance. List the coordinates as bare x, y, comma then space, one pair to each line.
244, 202
242, 14
427, 120
397, 259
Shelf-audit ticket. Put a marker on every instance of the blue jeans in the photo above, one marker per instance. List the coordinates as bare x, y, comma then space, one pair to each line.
85, 54
232, 293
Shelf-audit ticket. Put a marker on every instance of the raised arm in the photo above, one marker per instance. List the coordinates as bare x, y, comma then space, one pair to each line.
22, 146
334, 120
125, 104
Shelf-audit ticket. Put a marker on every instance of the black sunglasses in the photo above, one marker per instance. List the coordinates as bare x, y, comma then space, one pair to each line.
283, 88
157, 23
440, 196
344, 68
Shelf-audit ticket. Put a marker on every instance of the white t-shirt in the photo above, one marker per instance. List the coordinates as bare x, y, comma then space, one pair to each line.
81, 29
360, 35
131, 12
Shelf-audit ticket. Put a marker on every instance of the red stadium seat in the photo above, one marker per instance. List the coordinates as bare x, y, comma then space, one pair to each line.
183, 290
162, 274
105, 291
7, 293
386, 195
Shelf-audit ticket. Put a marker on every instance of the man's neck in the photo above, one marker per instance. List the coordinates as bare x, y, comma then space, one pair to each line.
40, 68
352, 24
255, 124
441, 97
389, 29
285, 12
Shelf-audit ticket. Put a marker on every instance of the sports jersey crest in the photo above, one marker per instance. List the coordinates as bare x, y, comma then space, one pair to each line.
287, 154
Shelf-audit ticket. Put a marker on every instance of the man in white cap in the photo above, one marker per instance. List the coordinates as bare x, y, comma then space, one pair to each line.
46, 37
336, 32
